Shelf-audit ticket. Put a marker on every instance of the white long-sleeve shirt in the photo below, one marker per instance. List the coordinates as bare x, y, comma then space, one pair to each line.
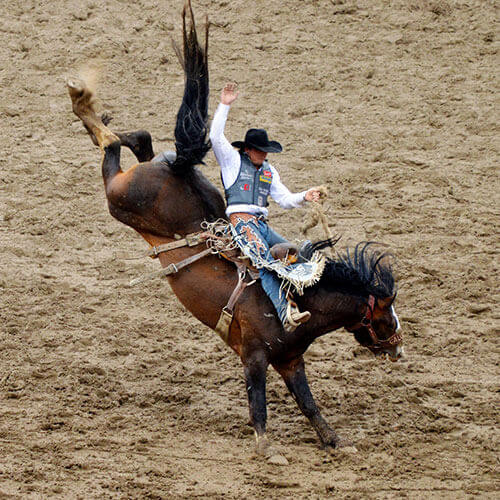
229, 160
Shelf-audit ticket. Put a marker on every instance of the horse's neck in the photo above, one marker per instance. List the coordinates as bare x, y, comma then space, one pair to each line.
330, 310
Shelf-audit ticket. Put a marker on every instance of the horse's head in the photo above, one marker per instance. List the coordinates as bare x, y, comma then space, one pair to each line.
379, 329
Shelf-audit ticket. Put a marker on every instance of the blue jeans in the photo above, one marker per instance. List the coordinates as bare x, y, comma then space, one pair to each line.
270, 282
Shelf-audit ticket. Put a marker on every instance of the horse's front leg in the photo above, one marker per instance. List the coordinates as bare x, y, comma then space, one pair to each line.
255, 368
294, 375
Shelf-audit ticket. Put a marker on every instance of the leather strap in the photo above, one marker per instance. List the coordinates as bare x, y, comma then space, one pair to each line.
172, 268
191, 240
226, 317
238, 290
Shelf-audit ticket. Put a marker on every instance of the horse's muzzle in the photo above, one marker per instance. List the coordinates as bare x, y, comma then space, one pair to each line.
396, 353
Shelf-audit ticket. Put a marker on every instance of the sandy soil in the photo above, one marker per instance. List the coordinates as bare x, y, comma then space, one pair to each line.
111, 391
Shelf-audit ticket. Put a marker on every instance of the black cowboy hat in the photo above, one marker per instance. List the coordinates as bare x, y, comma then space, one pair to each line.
257, 138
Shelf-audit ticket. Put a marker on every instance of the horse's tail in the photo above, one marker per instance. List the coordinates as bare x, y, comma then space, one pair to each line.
191, 127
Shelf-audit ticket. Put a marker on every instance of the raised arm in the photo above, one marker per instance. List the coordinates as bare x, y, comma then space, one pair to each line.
227, 157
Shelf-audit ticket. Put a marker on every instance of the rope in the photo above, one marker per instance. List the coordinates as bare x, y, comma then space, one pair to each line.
219, 237
317, 216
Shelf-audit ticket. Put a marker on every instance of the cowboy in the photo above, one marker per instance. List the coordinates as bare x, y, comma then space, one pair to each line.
248, 180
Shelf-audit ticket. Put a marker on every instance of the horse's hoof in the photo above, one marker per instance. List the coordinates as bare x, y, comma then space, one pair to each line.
71, 84
341, 450
76, 88
341, 445
264, 448
278, 460
348, 449
80, 93
345, 443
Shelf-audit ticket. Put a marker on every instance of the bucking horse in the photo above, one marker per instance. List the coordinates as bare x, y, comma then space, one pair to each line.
167, 200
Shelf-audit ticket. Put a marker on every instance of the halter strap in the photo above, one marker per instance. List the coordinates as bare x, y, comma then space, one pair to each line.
366, 322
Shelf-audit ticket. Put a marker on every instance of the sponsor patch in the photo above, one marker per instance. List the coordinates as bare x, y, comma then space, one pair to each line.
246, 187
265, 179
267, 173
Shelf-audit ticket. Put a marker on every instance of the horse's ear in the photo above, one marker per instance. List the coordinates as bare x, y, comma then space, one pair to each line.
386, 302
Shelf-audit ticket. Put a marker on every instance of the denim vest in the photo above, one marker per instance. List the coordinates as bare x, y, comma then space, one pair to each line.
252, 186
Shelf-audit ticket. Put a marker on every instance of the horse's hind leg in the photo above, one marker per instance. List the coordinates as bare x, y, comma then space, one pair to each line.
295, 378
83, 107
139, 142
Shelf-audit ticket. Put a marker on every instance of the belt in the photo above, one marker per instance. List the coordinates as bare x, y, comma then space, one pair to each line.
246, 217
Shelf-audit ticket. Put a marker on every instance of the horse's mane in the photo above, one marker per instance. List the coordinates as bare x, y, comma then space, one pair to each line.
362, 270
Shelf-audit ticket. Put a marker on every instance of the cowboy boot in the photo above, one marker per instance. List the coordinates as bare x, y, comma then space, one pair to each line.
294, 317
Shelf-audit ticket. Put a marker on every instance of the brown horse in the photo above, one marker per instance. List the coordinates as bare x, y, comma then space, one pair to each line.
162, 200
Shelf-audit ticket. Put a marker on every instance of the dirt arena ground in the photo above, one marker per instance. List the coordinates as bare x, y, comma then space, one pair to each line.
109, 391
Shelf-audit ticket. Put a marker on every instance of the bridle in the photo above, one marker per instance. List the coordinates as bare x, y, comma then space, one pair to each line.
366, 322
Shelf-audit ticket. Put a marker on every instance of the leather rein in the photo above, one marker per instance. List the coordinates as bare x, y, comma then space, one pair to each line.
366, 322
